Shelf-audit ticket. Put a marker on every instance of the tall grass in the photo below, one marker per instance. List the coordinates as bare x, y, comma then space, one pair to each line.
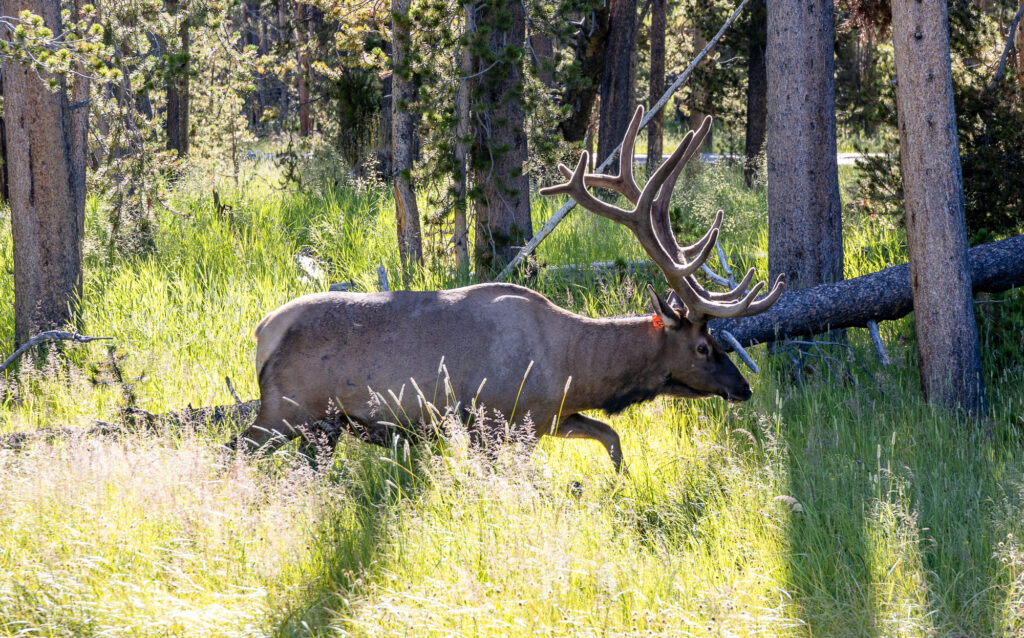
825, 507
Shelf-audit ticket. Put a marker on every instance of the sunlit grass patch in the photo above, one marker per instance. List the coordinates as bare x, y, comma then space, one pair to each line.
148, 536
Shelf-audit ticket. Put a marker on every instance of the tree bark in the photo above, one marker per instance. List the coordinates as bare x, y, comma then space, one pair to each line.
1018, 44
383, 153
4, 193
80, 90
300, 41
542, 55
499, 151
403, 137
617, 81
580, 96
805, 230
463, 133
947, 336
699, 98
757, 90
655, 130
178, 88
883, 295
46, 188
283, 38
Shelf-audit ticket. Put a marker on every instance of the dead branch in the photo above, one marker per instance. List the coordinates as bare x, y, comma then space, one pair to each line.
52, 335
1006, 49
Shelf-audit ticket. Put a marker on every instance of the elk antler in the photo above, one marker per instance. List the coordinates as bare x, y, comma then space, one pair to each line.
650, 223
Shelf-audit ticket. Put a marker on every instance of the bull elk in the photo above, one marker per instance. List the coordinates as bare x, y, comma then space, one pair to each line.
330, 349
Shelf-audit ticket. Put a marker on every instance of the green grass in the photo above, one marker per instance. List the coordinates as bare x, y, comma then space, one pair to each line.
825, 508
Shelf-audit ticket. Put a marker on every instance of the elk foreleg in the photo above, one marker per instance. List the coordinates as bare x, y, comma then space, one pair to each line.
577, 426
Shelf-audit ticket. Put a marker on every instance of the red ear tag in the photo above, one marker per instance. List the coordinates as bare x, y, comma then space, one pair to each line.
658, 323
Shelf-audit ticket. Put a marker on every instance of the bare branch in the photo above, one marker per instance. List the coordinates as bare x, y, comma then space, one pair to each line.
1006, 49
52, 335
877, 340
738, 349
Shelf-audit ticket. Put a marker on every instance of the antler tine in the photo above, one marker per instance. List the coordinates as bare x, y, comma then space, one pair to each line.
660, 176
659, 209
650, 224
735, 293
676, 270
576, 189
699, 308
623, 183
692, 142
768, 300
704, 243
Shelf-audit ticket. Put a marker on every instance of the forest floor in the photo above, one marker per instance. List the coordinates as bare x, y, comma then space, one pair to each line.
831, 507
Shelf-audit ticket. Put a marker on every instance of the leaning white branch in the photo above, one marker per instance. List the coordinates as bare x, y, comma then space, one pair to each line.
877, 340
52, 335
725, 265
569, 205
1006, 49
731, 340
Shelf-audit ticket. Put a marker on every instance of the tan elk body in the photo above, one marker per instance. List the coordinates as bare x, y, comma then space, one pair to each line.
348, 349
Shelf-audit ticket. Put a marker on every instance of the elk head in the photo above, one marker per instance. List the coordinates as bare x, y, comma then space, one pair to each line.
698, 365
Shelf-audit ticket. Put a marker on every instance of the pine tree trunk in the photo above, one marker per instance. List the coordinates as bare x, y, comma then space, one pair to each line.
542, 58
499, 150
178, 88
698, 96
655, 130
283, 38
4, 193
47, 191
757, 90
947, 336
403, 137
1018, 44
80, 90
617, 79
300, 41
460, 234
805, 230
383, 152
589, 51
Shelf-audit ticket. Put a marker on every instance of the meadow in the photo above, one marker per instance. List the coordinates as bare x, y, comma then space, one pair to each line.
834, 503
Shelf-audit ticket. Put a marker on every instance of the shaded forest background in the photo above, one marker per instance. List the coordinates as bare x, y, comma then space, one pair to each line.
310, 87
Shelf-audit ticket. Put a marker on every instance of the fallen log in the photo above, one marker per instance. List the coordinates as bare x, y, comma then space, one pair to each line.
137, 420
883, 295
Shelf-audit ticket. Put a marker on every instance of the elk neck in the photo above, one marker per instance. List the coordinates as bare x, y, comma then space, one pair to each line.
615, 362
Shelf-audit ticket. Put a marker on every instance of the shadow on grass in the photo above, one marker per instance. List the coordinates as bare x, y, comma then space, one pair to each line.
829, 575
904, 508
348, 541
969, 503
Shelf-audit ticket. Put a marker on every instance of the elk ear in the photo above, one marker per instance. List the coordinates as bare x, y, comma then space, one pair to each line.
676, 303
669, 315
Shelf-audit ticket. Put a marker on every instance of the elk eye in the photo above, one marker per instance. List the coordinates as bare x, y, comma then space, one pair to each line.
702, 349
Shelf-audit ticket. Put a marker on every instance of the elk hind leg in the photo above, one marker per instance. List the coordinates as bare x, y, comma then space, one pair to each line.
578, 426
274, 426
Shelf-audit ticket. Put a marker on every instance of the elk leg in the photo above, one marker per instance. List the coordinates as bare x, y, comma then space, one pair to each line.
273, 427
577, 426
